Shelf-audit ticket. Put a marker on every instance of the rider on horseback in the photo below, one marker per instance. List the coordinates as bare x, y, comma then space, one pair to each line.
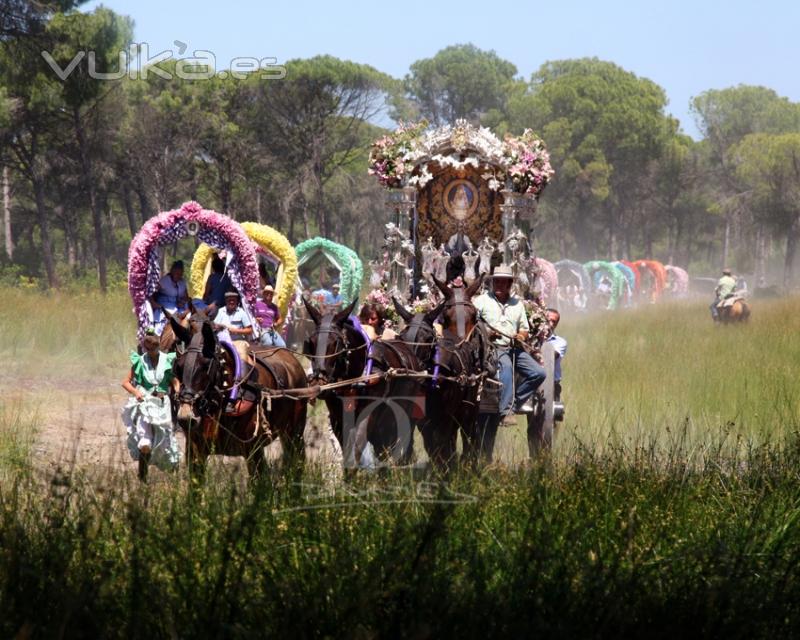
506, 319
726, 286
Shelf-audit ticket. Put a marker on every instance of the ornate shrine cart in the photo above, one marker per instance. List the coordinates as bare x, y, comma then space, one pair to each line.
460, 191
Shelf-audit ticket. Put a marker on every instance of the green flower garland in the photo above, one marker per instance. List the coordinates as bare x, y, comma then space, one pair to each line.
352, 269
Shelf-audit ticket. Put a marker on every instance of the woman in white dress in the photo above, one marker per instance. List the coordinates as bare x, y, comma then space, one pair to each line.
148, 413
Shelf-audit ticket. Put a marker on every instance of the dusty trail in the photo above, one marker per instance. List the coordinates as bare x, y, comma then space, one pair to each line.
76, 424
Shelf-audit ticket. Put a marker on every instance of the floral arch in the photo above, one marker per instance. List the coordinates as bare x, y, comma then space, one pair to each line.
598, 268
679, 280
215, 229
659, 273
577, 270
269, 243
343, 258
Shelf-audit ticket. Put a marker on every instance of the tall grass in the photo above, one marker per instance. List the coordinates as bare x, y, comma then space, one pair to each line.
604, 547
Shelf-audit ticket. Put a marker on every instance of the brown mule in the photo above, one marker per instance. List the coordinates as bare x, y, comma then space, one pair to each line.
738, 311
452, 399
205, 370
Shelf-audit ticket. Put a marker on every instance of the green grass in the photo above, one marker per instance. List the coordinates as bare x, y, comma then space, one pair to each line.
671, 506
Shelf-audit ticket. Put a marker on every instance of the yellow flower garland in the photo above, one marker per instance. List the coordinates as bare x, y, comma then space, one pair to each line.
270, 240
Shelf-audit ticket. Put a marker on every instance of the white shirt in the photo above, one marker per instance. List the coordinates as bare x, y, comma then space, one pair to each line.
238, 320
560, 347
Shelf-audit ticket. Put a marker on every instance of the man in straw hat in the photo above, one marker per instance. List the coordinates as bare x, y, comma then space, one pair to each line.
505, 316
726, 285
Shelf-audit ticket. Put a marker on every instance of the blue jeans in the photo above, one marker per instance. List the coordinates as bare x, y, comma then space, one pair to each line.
714, 309
271, 338
531, 372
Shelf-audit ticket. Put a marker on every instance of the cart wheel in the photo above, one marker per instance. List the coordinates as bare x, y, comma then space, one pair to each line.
541, 421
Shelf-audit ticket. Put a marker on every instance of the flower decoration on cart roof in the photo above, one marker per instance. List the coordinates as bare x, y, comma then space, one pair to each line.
407, 155
215, 229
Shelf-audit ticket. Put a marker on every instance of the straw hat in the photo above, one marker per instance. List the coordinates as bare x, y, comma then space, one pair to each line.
503, 271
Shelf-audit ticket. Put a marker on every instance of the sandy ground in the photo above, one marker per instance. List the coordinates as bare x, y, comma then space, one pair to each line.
78, 425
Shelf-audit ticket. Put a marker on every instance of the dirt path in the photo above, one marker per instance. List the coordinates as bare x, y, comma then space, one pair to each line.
77, 424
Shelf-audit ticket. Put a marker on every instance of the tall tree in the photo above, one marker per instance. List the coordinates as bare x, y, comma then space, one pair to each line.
770, 166
725, 117
104, 34
603, 126
460, 81
313, 122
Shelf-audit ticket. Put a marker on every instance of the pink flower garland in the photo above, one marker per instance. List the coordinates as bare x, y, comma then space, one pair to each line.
216, 229
549, 278
680, 279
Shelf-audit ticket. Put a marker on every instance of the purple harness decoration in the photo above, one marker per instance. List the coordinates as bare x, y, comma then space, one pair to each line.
237, 367
436, 367
358, 327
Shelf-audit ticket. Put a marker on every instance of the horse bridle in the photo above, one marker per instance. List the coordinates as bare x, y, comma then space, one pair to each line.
198, 399
321, 353
459, 303
413, 330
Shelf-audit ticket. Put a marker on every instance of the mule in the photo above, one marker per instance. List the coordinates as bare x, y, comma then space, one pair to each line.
205, 369
392, 407
457, 365
338, 352
734, 311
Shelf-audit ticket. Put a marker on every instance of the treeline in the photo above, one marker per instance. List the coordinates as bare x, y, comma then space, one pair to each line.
86, 161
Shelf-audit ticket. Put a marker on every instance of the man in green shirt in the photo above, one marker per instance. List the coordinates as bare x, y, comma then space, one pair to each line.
725, 287
506, 318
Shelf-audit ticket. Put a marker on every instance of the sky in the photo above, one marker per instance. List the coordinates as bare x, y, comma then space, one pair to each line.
684, 46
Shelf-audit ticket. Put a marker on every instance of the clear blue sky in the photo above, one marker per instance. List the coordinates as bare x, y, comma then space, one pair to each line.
685, 46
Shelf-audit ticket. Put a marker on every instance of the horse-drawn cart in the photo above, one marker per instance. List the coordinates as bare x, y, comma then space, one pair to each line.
460, 195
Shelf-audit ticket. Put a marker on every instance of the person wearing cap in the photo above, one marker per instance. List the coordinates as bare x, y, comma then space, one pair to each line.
333, 299
148, 414
268, 317
726, 285
233, 319
171, 296
506, 319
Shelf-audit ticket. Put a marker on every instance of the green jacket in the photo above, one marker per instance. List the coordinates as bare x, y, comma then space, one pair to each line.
147, 377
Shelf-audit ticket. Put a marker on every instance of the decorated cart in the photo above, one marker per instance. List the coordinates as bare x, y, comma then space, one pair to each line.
677, 281
574, 283
459, 191
269, 245
312, 253
608, 282
214, 229
630, 282
652, 279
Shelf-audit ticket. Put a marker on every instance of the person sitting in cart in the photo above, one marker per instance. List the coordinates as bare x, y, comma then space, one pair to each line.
233, 323
560, 348
507, 323
216, 286
268, 317
333, 299
171, 296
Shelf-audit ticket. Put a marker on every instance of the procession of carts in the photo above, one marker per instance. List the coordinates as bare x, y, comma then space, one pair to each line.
457, 191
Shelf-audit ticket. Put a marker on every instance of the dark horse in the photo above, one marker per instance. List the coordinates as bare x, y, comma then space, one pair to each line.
393, 405
205, 369
457, 365
338, 352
